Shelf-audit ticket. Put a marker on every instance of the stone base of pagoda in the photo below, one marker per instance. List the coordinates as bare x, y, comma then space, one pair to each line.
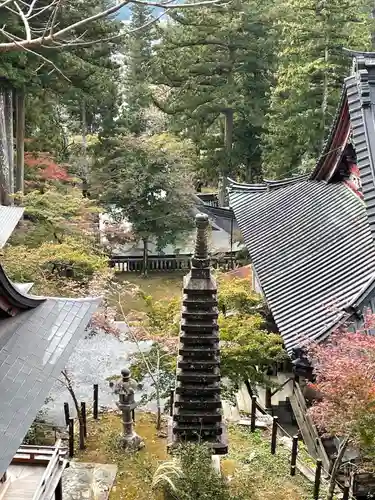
218, 443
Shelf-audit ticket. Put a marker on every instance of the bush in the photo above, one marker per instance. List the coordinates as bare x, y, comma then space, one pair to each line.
191, 476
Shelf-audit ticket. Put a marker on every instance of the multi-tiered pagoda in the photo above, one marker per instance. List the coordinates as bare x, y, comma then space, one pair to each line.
197, 410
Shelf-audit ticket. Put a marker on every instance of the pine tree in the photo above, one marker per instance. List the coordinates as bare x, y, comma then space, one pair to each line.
214, 66
137, 61
309, 77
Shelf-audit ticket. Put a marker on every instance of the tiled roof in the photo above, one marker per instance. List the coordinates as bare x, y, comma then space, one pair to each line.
37, 336
312, 249
9, 218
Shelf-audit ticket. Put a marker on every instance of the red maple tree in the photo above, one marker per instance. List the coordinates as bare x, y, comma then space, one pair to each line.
45, 167
344, 367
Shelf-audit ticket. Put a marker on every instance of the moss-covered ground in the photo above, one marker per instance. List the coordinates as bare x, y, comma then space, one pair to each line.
249, 466
159, 285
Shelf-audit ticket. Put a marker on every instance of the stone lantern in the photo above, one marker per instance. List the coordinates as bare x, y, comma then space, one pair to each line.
125, 387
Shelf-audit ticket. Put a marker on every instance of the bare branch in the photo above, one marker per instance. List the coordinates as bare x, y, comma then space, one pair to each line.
51, 38
31, 8
177, 6
41, 57
24, 20
43, 9
53, 20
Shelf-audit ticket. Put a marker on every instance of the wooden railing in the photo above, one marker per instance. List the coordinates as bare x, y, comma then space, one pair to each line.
307, 427
210, 199
36, 455
51, 475
173, 262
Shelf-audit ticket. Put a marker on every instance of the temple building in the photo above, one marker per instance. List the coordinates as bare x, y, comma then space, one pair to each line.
311, 241
311, 238
37, 336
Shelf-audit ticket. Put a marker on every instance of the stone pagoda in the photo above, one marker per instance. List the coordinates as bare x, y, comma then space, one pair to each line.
197, 410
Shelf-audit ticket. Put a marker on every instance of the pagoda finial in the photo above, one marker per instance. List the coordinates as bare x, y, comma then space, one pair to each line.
200, 258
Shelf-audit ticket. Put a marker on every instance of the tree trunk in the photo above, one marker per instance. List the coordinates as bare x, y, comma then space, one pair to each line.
157, 390
228, 140
325, 93
85, 169
8, 112
20, 140
145, 257
336, 467
4, 153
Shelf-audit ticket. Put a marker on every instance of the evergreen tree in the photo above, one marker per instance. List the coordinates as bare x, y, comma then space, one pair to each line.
143, 184
214, 67
309, 77
137, 62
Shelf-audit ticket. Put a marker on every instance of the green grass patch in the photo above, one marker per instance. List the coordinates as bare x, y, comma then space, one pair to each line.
159, 285
252, 471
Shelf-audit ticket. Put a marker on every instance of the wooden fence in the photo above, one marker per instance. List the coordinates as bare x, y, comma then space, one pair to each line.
172, 262
348, 489
307, 427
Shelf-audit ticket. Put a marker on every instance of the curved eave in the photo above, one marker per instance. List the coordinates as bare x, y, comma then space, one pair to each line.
16, 298
267, 185
335, 144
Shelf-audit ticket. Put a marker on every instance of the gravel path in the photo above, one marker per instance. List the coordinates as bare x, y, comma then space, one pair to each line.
95, 359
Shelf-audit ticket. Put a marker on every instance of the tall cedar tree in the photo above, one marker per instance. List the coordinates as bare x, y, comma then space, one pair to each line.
136, 92
309, 77
145, 185
87, 76
207, 62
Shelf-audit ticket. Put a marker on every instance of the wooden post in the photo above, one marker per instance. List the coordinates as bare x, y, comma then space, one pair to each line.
133, 416
59, 491
95, 407
253, 413
293, 459
172, 402
346, 489
81, 435
268, 397
71, 437
318, 474
84, 419
66, 413
274, 435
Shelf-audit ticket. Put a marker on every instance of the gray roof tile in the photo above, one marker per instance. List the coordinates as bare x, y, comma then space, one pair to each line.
34, 347
9, 218
312, 249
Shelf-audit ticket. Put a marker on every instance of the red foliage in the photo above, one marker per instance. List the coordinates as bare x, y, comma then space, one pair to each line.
46, 167
345, 376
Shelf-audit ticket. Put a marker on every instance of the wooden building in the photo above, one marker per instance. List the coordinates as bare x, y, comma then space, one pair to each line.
311, 238
128, 257
37, 336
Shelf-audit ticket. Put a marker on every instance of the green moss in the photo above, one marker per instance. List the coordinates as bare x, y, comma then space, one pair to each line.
253, 472
158, 285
